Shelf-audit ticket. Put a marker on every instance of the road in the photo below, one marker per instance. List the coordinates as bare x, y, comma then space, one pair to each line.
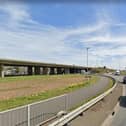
89, 91
120, 117
81, 121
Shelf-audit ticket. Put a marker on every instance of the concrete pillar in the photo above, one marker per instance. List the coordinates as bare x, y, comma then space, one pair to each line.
30, 71
63, 70
55, 70
45, 70
1, 71
37, 70
41, 70
67, 70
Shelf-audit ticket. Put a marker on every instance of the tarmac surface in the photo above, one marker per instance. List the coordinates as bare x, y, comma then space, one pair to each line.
119, 119
89, 92
96, 115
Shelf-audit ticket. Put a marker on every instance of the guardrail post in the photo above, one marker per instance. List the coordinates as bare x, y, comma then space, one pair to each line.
28, 115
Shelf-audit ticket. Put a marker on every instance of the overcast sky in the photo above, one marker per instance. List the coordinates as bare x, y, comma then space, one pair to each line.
60, 32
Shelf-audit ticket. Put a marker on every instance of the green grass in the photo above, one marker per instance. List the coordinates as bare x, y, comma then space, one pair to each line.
123, 72
18, 78
19, 101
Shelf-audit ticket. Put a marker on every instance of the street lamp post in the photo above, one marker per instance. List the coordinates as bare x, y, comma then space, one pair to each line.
87, 58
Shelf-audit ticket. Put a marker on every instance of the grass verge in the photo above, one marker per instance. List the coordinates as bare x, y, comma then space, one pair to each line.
33, 77
19, 101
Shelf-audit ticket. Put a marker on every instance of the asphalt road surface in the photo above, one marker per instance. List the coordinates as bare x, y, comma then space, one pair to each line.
120, 117
94, 89
80, 121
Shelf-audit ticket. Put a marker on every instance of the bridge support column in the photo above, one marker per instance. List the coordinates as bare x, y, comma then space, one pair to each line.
67, 70
41, 70
30, 71
45, 70
1, 71
37, 70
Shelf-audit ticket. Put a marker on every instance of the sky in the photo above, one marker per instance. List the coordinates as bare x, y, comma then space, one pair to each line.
60, 32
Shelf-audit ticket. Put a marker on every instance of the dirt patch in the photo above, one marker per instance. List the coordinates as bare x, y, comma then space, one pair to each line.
27, 87
99, 112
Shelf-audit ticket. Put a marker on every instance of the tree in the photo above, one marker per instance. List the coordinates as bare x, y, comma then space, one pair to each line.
104, 67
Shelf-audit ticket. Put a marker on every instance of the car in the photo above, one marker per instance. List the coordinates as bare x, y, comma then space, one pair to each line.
124, 80
117, 72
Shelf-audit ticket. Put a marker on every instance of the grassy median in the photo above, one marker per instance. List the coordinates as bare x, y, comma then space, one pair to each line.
19, 101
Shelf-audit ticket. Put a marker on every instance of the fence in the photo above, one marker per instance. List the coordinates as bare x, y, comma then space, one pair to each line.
36, 112
33, 114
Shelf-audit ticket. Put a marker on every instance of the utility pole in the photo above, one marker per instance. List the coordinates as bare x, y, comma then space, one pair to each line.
87, 58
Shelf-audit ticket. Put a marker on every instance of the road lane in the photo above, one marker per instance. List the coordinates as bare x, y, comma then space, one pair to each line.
120, 117
81, 121
90, 91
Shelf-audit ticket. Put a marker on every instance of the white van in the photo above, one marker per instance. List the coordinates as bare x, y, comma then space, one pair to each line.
117, 72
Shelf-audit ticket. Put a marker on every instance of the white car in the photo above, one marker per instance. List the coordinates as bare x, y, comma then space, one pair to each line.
117, 72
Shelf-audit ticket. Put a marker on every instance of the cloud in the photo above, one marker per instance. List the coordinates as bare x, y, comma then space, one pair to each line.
15, 13
26, 39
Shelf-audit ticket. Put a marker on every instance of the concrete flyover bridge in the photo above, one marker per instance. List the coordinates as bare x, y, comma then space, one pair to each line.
36, 68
